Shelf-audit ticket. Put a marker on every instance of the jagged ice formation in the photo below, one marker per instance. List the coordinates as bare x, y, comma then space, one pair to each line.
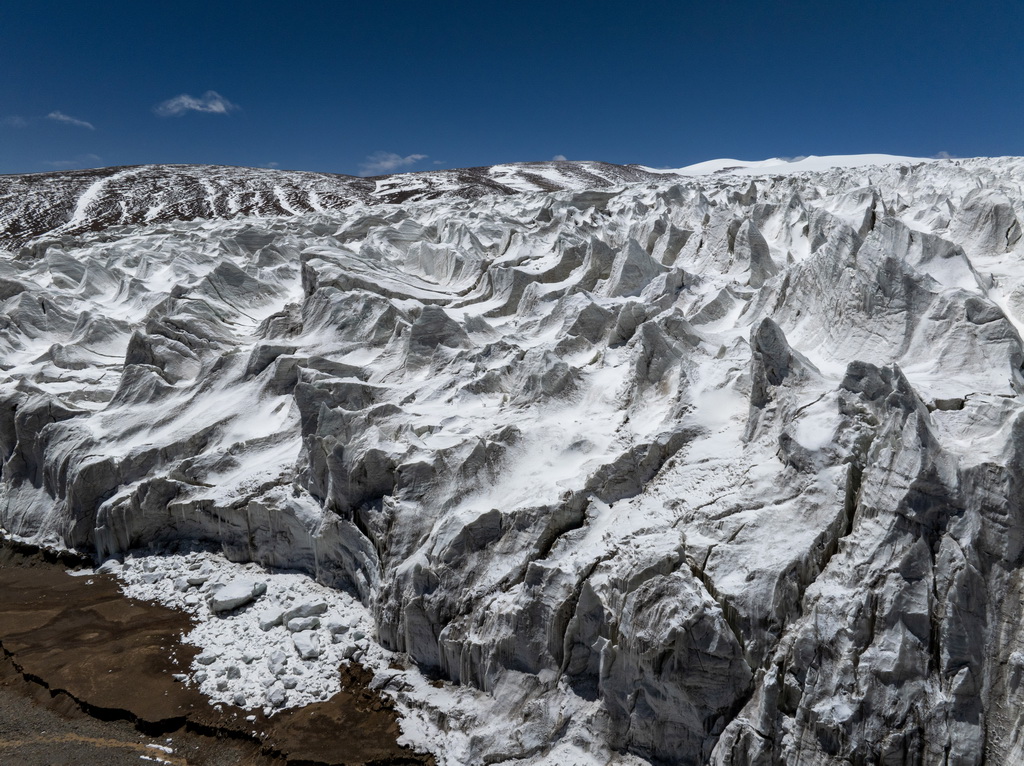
734, 460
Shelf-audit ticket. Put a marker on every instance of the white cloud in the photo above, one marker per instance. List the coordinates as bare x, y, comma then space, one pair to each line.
944, 156
210, 102
69, 120
14, 121
558, 158
84, 160
272, 165
379, 163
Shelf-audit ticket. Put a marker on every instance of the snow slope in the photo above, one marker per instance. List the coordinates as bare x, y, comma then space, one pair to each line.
693, 469
776, 166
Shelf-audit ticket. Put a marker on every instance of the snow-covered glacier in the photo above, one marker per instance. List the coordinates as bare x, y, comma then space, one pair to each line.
645, 465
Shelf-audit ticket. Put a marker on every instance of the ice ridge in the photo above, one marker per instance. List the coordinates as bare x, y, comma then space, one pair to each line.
715, 469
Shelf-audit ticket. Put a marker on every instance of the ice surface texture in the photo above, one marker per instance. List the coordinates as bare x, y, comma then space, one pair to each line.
728, 466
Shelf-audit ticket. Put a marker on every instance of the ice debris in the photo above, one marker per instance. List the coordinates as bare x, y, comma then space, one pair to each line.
235, 594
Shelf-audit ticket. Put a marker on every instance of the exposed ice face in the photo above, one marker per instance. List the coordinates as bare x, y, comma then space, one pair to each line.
726, 467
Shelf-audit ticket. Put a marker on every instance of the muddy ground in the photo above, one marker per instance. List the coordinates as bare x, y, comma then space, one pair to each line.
86, 678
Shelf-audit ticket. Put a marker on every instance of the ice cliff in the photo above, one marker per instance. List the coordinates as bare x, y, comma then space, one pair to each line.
728, 468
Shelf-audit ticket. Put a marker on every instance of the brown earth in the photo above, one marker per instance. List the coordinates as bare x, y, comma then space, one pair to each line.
76, 645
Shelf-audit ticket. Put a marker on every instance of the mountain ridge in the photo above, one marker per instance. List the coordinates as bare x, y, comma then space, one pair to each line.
36, 205
51, 204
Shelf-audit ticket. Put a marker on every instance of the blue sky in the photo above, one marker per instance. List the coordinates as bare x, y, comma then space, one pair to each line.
356, 88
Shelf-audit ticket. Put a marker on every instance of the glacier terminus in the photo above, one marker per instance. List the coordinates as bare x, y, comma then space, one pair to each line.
587, 463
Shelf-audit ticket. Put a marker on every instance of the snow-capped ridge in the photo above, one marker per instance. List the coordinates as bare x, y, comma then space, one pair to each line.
779, 166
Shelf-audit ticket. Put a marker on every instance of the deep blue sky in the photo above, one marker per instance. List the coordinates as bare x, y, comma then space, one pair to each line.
327, 85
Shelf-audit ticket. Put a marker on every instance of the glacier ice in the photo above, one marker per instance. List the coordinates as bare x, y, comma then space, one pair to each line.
688, 468
235, 594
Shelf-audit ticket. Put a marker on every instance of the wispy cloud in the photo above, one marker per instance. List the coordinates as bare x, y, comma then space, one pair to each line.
944, 156
558, 158
84, 160
14, 121
379, 163
67, 119
210, 102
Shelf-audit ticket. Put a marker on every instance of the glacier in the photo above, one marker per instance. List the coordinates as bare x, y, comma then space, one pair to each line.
717, 465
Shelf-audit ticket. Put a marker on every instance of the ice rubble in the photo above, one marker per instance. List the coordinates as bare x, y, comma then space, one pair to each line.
270, 640
721, 469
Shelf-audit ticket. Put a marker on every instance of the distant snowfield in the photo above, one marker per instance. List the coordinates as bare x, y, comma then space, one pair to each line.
776, 166
713, 465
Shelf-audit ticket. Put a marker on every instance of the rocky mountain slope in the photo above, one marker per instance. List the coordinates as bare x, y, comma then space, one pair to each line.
716, 469
68, 203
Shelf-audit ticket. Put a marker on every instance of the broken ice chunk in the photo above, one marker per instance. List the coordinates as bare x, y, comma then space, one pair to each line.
306, 609
307, 645
299, 624
236, 593
271, 617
